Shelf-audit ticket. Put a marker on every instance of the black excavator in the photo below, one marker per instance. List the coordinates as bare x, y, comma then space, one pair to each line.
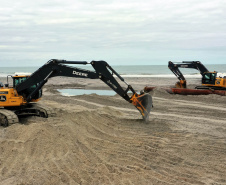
21, 98
209, 79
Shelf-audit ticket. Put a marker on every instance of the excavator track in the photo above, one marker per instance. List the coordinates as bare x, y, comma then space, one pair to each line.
7, 118
44, 111
34, 109
210, 88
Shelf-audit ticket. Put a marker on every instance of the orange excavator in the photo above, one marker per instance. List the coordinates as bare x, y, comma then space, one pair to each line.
21, 98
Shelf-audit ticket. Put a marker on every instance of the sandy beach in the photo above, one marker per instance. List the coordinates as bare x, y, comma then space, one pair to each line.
103, 140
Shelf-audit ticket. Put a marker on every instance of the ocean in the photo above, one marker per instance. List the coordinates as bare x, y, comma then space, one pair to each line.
128, 70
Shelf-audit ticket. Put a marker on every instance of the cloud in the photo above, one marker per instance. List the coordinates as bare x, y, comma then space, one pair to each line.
120, 31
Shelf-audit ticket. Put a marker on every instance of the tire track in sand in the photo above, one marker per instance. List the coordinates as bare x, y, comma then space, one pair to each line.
159, 113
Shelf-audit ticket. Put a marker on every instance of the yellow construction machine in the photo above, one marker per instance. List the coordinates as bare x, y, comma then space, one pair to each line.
20, 98
210, 80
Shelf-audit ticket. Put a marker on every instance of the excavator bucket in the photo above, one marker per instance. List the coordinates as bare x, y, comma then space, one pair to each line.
181, 84
143, 103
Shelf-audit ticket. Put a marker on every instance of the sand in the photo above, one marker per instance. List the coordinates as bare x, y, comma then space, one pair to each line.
103, 140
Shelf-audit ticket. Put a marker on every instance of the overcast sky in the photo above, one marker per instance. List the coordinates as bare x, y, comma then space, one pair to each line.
125, 32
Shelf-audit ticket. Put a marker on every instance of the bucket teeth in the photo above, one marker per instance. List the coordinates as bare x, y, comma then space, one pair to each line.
143, 103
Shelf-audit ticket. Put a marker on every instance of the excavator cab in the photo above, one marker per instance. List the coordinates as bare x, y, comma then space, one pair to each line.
209, 78
17, 80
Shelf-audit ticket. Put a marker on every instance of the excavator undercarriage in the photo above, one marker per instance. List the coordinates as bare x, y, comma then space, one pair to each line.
11, 115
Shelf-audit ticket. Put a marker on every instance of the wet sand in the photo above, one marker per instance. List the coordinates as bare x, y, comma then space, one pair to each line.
103, 140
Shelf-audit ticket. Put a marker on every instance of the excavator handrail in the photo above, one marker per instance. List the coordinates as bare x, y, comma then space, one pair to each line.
67, 62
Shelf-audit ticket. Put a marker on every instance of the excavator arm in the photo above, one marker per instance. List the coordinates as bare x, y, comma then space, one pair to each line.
175, 69
103, 71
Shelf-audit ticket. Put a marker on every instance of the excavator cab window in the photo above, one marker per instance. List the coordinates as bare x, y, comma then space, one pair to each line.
209, 78
18, 80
